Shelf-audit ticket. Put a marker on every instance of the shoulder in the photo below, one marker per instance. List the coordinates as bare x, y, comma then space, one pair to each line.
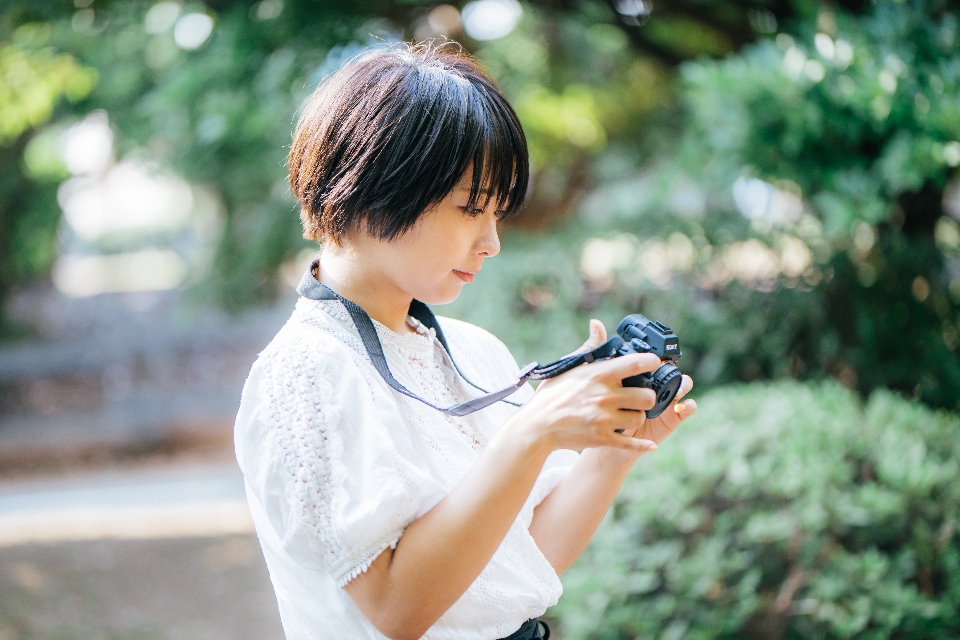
477, 348
313, 357
310, 389
465, 331
470, 335
315, 336
300, 347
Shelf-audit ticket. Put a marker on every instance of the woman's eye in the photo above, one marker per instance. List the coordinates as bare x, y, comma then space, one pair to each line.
472, 211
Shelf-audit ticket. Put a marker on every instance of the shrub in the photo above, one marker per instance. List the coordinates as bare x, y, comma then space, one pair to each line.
853, 121
782, 511
803, 222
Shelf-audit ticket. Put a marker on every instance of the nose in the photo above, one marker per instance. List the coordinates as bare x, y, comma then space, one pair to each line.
488, 245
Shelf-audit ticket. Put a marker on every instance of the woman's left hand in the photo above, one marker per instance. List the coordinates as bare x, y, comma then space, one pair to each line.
659, 428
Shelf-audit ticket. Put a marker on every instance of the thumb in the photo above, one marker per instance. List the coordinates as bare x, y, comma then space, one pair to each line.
598, 335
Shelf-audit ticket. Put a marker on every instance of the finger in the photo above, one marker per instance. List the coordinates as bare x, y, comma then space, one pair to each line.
676, 414
626, 366
598, 335
630, 443
631, 423
685, 409
634, 398
685, 385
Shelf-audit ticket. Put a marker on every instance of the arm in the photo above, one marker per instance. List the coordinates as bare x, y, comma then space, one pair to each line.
566, 520
440, 554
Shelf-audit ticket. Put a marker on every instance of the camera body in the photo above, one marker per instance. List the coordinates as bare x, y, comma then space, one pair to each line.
642, 335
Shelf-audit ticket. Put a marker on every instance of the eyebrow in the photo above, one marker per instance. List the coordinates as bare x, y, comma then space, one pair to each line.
483, 192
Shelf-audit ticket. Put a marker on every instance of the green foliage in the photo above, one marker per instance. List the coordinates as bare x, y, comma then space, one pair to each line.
800, 224
862, 123
851, 120
221, 113
34, 80
782, 511
856, 118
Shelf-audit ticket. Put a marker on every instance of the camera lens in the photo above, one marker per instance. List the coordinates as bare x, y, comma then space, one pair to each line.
666, 383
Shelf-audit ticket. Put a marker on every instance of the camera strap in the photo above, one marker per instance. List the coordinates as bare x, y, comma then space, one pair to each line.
310, 288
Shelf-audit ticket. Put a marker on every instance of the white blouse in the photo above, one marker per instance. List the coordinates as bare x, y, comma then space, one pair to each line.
337, 464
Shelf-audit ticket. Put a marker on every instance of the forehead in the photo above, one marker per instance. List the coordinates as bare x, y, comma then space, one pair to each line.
486, 190
464, 190
466, 182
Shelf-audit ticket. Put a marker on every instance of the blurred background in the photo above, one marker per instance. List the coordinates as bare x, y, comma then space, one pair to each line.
777, 180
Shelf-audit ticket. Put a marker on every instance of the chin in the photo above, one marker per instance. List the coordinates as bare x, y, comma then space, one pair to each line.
440, 296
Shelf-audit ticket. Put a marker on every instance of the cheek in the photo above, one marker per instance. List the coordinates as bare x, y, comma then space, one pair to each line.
424, 261
431, 274
423, 266
439, 253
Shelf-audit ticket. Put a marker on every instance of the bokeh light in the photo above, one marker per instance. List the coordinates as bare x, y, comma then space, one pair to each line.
490, 19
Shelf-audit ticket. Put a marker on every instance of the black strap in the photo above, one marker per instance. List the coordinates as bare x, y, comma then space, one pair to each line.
310, 288
530, 630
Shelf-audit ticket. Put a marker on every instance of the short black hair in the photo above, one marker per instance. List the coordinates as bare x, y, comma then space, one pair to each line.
393, 131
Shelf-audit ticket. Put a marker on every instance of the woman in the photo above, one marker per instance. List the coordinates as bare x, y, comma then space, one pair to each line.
378, 514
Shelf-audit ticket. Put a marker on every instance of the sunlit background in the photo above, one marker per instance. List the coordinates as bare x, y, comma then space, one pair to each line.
777, 180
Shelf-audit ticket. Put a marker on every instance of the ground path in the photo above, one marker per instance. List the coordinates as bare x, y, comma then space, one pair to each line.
155, 552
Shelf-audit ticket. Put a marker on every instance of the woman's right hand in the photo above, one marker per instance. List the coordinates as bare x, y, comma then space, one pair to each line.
406, 590
585, 406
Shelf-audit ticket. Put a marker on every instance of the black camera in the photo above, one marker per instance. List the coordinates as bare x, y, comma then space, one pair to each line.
642, 335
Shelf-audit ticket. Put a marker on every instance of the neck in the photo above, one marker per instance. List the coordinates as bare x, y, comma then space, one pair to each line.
343, 270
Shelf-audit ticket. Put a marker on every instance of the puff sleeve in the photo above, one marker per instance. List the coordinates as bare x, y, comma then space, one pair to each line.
328, 456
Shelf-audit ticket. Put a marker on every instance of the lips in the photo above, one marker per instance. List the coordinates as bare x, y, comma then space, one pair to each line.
466, 276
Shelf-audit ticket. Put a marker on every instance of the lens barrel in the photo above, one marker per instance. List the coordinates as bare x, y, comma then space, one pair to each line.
665, 382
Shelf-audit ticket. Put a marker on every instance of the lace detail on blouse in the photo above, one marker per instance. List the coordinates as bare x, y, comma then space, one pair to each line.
306, 433
337, 464
306, 312
434, 376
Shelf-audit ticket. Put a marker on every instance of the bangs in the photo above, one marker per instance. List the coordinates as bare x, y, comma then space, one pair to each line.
461, 123
394, 132
500, 165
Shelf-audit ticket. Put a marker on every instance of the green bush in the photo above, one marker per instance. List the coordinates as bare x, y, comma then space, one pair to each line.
782, 511
854, 119
803, 222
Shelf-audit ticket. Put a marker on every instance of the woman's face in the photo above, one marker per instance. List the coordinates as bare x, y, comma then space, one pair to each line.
441, 253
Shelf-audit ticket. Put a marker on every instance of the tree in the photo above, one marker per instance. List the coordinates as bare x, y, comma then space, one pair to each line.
220, 113
853, 126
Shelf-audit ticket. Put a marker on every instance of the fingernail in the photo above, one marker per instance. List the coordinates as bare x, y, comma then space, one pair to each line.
679, 407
